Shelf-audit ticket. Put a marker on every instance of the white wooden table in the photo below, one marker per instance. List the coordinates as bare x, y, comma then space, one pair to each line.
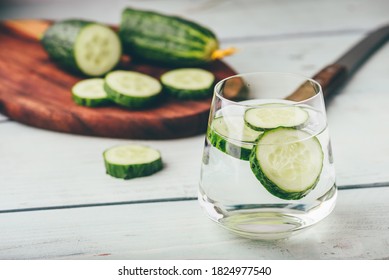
57, 203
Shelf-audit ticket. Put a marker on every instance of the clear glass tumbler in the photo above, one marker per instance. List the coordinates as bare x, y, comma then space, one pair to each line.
267, 170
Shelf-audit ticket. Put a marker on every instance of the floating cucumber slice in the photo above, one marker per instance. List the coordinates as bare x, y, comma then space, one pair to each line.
90, 92
287, 162
231, 136
271, 116
131, 161
188, 83
132, 89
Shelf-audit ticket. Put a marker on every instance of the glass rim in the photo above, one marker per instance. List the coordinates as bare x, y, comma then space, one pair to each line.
218, 94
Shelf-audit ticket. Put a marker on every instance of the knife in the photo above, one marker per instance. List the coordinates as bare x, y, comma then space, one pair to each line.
333, 76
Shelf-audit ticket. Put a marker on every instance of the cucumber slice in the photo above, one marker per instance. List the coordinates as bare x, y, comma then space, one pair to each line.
188, 83
131, 161
90, 92
132, 89
287, 162
83, 46
271, 116
231, 136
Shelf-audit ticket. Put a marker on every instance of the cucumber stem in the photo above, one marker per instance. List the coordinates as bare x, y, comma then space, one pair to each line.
218, 54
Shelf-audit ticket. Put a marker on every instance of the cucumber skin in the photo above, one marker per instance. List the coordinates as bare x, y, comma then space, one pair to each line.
89, 102
59, 42
132, 102
188, 94
269, 185
227, 147
133, 171
165, 39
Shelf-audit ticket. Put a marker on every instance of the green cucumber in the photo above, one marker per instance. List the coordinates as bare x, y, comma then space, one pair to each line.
168, 39
271, 116
288, 162
132, 89
90, 93
132, 161
188, 83
83, 46
231, 136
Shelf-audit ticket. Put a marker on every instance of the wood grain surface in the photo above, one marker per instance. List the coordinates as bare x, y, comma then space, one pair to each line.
34, 91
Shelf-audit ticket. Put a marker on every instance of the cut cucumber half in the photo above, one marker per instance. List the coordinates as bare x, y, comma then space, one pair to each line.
271, 116
132, 89
90, 92
287, 162
188, 83
231, 136
131, 161
83, 46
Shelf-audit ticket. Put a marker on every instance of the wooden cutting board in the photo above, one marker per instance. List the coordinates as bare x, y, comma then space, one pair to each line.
34, 91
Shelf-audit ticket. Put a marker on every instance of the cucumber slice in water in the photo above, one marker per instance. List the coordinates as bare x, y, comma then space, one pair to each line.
188, 83
271, 116
90, 92
287, 162
131, 161
83, 46
132, 89
231, 136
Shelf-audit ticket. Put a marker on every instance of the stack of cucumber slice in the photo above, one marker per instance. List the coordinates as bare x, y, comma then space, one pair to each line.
286, 160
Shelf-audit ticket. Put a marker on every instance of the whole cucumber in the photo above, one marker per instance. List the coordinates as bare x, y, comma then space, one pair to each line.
167, 39
82, 46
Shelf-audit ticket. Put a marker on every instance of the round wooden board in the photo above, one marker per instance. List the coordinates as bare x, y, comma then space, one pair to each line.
34, 91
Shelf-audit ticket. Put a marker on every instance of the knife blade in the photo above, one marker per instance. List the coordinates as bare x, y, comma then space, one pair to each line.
334, 75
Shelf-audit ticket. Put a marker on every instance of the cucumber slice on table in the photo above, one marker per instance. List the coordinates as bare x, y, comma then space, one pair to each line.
90, 92
231, 136
83, 46
287, 162
271, 116
132, 89
131, 161
188, 83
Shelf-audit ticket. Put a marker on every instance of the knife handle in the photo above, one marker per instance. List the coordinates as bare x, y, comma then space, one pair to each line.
330, 78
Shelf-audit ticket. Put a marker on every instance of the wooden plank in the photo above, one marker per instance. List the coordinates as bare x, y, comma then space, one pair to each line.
357, 229
255, 18
43, 168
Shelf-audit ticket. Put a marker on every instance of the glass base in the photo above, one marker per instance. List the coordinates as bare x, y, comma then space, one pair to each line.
269, 222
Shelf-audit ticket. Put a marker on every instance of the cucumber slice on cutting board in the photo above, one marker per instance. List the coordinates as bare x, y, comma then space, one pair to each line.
231, 136
83, 46
132, 89
271, 116
90, 92
287, 162
188, 83
131, 161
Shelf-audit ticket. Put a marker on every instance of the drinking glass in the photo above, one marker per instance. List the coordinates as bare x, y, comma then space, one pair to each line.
267, 169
